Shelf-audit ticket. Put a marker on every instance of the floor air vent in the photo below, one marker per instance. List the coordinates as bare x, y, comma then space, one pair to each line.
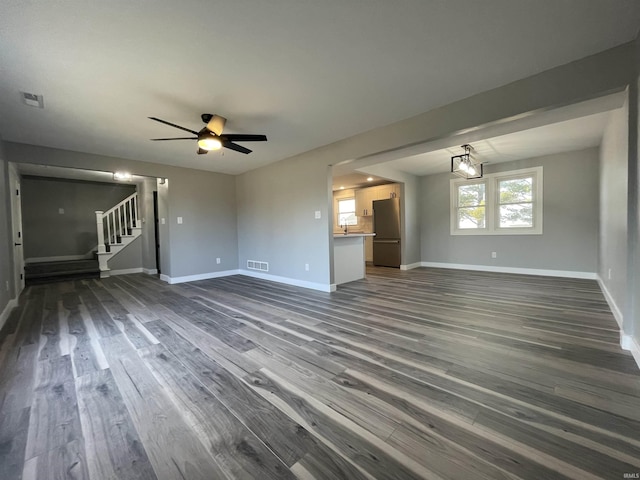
255, 265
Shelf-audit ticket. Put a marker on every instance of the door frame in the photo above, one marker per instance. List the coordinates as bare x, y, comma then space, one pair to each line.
16, 228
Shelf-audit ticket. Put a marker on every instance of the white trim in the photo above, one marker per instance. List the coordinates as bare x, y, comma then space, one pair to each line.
521, 271
617, 314
199, 276
627, 342
125, 271
290, 281
411, 266
150, 271
11, 304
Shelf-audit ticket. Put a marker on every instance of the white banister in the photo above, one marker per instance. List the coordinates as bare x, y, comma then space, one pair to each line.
100, 225
117, 221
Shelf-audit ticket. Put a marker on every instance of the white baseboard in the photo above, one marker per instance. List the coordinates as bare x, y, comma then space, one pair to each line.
249, 273
627, 342
517, 270
11, 304
200, 276
411, 266
617, 314
290, 281
150, 271
125, 271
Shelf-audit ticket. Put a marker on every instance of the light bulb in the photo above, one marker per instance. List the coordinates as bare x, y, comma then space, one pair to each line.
209, 142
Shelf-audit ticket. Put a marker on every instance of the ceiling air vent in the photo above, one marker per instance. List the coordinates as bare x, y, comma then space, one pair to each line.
32, 99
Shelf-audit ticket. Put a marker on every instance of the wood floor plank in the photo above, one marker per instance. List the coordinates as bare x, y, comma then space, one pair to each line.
112, 445
427, 373
14, 427
54, 412
282, 435
172, 447
237, 450
64, 462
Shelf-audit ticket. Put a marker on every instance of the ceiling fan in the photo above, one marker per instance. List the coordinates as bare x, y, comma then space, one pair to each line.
211, 137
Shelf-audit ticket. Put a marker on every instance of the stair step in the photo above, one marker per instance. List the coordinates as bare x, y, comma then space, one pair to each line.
45, 272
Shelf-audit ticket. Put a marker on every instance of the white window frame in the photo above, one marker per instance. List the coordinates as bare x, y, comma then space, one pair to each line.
492, 207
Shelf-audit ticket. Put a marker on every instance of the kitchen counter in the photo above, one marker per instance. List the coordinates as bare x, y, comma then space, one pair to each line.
348, 257
342, 235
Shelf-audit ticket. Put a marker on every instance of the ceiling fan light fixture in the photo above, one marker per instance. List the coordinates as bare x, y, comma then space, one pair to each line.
208, 141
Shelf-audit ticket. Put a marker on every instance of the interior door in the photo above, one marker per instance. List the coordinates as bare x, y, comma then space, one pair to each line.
16, 225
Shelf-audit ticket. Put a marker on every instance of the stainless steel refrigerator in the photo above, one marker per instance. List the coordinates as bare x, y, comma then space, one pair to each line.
386, 226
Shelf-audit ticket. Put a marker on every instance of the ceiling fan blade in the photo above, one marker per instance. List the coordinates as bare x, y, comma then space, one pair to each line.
173, 125
241, 137
202, 151
233, 146
216, 124
174, 138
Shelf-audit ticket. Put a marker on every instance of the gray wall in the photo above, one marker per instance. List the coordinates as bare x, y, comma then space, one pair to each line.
6, 237
279, 198
206, 200
570, 220
207, 204
50, 234
613, 207
129, 257
276, 219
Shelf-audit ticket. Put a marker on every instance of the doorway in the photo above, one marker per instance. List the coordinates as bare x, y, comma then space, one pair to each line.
16, 228
156, 230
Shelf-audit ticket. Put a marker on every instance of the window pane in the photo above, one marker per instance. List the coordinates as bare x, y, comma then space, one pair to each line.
516, 190
471, 217
517, 215
469, 195
345, 206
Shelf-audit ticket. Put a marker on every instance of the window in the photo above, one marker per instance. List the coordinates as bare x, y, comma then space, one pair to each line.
505, 203
347, 212
472, 206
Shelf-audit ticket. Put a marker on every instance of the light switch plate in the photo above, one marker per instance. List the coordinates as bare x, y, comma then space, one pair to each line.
179, 220
162, 221
318, 214
61, 211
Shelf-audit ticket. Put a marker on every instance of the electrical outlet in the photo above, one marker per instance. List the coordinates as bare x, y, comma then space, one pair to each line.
179, 220
218, 260
163, 221
306, 267
609, 275
494, 254
61, 211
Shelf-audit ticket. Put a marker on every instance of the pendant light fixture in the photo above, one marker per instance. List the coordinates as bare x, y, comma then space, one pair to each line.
465, 166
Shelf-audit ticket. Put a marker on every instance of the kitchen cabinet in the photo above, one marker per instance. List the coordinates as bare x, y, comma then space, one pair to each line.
366, 196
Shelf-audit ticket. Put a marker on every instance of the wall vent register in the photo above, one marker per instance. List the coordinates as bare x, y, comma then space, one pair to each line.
255, 265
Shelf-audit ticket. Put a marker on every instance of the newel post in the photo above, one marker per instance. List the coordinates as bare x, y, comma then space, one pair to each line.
100, 227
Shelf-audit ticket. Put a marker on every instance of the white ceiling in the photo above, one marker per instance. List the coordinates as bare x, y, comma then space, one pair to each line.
304, 73
575, 134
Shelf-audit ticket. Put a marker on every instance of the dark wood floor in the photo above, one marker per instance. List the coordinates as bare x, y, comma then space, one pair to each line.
421, 374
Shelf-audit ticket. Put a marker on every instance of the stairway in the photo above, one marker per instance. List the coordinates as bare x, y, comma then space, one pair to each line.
117, 228
48, 272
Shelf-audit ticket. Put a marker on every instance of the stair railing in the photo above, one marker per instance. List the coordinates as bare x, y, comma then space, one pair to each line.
116, 222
